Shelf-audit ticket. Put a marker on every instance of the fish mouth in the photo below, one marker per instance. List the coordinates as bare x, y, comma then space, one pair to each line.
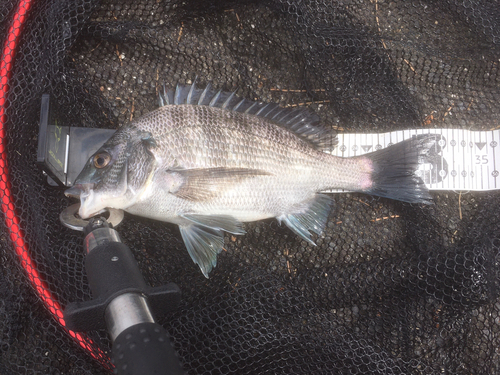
85, 193
79, 190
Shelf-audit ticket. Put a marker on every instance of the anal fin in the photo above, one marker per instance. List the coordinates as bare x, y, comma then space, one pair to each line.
309, 216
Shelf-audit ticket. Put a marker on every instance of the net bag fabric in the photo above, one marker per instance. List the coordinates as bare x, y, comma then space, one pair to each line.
389, 288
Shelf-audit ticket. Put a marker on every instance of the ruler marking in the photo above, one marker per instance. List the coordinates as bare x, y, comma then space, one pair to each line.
441, 165
494, 158
480, 169
463, 143
491, 154
453, 156
481, 180
470, 164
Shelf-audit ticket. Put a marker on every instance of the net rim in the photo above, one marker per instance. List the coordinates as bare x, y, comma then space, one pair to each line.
7, 62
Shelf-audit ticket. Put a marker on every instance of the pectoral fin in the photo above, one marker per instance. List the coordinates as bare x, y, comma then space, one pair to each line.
204, 239
308, 216
224, 222
204, 184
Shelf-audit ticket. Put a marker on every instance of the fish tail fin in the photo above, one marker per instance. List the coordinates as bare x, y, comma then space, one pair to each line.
394, 168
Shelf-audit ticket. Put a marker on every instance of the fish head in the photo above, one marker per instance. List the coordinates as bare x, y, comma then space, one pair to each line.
116, 174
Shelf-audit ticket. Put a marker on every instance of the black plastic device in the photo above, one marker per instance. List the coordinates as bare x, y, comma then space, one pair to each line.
124, 305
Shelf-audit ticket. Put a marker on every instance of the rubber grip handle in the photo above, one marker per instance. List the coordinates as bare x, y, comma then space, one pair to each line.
145, 348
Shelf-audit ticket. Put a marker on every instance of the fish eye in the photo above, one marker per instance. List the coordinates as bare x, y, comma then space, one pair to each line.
101, 160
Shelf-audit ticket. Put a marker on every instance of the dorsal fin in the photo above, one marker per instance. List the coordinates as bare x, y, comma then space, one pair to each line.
299, 120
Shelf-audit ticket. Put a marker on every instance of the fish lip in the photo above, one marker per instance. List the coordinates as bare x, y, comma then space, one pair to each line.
84, 192
79, 190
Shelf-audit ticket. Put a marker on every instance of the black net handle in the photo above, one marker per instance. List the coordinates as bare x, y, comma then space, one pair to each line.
145, 349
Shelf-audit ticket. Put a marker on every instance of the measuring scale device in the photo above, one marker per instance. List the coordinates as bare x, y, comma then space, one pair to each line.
122, 302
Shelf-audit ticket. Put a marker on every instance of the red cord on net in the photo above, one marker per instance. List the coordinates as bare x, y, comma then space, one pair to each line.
6, 200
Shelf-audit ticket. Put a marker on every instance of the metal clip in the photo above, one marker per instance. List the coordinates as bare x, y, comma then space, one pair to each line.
69, 217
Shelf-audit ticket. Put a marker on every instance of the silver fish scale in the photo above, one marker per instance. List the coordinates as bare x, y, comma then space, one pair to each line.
192, 137
206, 137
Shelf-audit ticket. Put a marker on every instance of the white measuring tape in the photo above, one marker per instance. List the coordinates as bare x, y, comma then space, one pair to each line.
467, 160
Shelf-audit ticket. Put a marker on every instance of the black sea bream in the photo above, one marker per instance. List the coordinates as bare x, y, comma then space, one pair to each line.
209, 161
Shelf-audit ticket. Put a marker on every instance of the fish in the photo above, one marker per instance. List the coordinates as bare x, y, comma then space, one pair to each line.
209, 161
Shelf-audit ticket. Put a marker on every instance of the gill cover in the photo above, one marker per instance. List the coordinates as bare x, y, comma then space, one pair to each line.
116, 173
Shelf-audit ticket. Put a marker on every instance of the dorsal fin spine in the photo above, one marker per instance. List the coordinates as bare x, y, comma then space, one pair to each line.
177, 95
216, 97
228, 100
289, 122
235, 108
191, 91
299, 120
278, 113
203, 94
250, 108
